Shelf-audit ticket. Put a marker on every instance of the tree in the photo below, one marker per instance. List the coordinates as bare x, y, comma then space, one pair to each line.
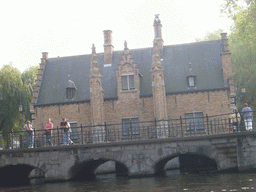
15, 90
243, 47
243, 13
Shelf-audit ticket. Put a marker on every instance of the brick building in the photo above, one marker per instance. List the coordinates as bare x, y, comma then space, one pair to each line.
160, 82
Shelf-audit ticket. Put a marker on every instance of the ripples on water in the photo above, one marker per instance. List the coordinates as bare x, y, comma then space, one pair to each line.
173, 181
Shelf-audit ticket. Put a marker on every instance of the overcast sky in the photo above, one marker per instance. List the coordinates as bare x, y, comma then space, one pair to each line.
66, 28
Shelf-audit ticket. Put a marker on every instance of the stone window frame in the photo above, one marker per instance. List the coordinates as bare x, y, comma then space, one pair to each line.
195, 123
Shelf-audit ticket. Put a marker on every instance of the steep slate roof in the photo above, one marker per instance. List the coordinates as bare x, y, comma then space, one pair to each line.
205, 59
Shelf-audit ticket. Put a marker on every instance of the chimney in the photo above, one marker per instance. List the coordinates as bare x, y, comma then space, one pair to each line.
225, 41
108, 47
226, 64
45, 55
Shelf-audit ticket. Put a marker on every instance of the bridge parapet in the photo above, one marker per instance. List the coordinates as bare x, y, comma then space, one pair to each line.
109, 133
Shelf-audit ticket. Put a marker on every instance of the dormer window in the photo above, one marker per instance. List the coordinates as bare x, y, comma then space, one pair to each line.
128, 82
191, 77
191, 81
70, 90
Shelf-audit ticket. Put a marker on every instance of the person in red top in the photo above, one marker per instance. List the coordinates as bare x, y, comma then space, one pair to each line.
48, 132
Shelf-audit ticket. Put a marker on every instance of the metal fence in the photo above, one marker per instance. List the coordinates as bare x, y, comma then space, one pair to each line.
132, 130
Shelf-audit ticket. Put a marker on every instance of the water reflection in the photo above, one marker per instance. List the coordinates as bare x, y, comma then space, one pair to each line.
173, 181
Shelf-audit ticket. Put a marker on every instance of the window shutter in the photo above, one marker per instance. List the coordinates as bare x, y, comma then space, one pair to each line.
124, 83
131, 81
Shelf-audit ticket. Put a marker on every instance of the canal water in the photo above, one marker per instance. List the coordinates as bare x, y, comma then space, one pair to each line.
173, 181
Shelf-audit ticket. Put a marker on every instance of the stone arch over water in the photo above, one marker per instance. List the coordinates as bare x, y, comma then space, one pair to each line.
17, 175
85, 170
188, 162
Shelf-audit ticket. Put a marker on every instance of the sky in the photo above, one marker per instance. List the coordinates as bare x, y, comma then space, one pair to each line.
68, 28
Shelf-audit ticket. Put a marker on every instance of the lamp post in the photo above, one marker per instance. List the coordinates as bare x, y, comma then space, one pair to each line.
20, 108
22, 120
238, 97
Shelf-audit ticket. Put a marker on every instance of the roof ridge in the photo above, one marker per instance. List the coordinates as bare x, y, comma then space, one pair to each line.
136, 49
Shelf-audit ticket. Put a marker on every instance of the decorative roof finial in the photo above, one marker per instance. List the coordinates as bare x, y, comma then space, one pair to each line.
157, 20
93, 49
125, 44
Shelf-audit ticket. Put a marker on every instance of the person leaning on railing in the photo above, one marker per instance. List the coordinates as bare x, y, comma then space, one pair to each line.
64, 125
248, 118
234, 118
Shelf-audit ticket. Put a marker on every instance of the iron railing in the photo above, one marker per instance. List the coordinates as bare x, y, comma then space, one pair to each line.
107, 133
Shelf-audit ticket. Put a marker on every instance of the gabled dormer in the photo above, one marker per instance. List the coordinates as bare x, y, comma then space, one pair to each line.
128, 78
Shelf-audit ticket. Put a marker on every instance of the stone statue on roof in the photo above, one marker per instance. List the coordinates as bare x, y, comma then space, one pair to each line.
157, 20
125, 44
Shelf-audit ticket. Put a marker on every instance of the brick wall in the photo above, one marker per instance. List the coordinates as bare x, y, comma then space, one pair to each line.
132, 106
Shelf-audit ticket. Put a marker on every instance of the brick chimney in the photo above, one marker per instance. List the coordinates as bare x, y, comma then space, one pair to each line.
108, 47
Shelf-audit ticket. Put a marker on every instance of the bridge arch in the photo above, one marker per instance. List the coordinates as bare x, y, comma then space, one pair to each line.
85, 170
188, 162
16, 175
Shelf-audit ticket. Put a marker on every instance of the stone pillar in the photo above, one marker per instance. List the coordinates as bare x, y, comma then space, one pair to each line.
96, 100
159, 94
158, 34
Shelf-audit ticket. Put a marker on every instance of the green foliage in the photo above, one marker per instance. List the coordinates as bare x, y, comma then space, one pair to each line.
243, 13
15, 90
242, 45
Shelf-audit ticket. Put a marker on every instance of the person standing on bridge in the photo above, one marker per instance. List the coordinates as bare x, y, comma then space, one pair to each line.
234, 120
48, 132
29, 129
64, 125
248, 118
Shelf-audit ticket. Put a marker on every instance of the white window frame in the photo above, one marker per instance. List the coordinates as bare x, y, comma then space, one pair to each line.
191, 81
128, 82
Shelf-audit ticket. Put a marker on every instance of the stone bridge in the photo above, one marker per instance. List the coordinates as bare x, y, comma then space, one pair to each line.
134, 158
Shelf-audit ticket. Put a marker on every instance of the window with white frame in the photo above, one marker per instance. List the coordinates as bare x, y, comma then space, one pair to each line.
194, 121
131, 126
191, 81
128, 82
